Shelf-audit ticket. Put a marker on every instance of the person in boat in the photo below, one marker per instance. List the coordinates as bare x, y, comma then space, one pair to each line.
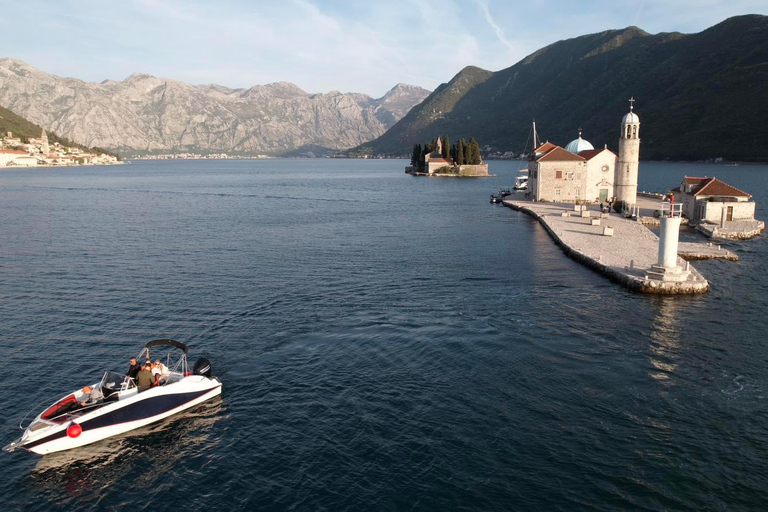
159, 372
91, 396
144, 377
134, 369
159, 367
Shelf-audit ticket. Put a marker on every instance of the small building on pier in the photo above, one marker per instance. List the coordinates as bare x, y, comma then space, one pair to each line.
708, 199
717, 209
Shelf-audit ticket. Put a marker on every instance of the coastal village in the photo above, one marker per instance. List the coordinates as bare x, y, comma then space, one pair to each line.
37, 152
199, 156
565, 184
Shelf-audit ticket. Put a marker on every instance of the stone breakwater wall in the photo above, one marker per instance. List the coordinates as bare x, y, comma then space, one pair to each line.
745, 232
690, 251
473, 170
457, 171
632, 278
655, 221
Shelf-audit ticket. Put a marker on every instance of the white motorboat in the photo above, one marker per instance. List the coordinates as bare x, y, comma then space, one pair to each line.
521, 183
66, 423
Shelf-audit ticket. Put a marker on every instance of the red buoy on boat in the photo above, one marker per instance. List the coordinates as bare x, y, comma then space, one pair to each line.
74, 430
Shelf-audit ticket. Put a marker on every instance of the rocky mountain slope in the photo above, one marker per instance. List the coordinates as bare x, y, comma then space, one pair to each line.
698, 95
144, 114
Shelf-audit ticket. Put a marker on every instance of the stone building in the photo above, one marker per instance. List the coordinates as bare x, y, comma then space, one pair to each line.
557, 175
434, 160
579, 173
712, 200
601, 173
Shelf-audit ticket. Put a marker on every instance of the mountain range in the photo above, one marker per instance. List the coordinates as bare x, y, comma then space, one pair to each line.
698, 95
144, 114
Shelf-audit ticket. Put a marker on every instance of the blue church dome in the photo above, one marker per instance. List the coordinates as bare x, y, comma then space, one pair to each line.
578, 145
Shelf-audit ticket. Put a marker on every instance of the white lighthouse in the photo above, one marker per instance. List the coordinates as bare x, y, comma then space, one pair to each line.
629, 158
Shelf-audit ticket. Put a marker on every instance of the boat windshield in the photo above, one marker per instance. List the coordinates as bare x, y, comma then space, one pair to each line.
112, 382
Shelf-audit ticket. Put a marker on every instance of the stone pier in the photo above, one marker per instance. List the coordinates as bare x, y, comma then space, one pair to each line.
621, 249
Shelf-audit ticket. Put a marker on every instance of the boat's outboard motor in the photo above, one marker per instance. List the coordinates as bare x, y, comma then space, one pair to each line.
202, 367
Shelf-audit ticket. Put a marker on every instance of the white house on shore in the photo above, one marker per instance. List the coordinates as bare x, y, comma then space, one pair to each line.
11, 157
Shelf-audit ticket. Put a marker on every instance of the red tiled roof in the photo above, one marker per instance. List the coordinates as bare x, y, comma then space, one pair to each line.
715, 187
439, 160
13, 152
692, 180
547, 146
589, 154
559, 154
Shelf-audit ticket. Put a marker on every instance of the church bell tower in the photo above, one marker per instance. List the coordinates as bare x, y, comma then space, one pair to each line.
44, 148
629, 158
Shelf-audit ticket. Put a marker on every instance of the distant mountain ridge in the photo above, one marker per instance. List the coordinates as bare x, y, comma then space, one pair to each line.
144, 114
698, 95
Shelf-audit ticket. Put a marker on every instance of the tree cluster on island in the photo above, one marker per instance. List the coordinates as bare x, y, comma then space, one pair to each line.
461, 153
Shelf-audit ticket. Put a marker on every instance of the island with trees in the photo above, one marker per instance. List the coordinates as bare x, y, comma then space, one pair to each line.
439, 158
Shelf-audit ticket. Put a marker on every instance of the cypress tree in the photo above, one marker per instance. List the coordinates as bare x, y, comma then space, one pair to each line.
416, 155
460, 150
422, 163
474, 152
446, 148
453, 153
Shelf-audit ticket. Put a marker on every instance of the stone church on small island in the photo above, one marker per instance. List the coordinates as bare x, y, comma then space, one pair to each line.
581, 173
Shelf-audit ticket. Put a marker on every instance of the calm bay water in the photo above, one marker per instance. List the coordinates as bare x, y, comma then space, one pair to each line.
385, 343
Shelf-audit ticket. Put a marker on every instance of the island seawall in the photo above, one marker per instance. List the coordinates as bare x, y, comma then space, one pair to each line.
623, 256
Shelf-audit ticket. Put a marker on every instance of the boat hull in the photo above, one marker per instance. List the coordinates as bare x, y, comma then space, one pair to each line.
124, 415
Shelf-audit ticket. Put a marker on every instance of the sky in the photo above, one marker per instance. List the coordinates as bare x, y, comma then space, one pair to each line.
321, 46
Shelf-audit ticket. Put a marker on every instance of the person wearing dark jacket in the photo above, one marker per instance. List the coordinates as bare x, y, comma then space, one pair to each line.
134, 369
144, 378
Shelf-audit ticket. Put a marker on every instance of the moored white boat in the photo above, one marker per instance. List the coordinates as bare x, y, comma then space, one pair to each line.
65, 424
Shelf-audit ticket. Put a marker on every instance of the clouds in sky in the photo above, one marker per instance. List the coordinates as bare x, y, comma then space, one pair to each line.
320, 45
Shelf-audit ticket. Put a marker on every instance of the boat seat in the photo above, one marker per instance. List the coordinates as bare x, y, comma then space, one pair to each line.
62, 406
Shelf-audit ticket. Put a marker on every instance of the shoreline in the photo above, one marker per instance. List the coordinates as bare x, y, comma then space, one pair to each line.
47, 166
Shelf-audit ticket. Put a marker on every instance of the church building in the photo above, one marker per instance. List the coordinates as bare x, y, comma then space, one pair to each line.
581, 173
434, 160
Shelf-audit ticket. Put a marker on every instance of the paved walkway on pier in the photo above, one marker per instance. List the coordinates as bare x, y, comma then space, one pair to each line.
623, 257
